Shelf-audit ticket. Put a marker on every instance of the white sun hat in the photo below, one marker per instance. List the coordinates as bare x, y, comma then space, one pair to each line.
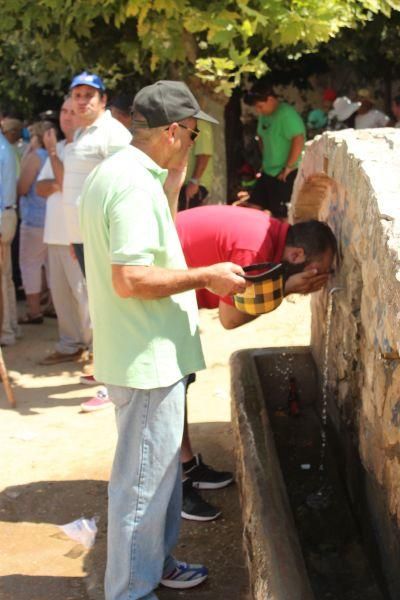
343, 108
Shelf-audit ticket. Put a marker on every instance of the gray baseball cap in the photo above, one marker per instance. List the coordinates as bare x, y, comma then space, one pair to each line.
166, 102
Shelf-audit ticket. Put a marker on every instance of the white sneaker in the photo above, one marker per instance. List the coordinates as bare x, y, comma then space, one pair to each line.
185, 576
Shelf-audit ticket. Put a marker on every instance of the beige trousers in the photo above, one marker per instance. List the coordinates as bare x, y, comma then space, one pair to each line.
32, 257
69, 293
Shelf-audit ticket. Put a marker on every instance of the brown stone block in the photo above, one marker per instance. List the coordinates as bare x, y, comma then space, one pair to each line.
316, 190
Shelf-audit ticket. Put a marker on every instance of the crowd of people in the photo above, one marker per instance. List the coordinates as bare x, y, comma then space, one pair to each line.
281, 131
340, 112
113, 216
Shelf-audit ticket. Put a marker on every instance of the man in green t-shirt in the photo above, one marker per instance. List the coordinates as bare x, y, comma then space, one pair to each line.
281, 134
145, 334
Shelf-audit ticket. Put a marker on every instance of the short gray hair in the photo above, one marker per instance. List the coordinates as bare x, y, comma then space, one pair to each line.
140, 129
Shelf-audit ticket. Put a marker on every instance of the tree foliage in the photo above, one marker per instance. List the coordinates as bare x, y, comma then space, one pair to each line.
372, 49
44, 42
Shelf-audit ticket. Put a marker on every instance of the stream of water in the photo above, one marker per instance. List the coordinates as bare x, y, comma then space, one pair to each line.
322, 497
325, 381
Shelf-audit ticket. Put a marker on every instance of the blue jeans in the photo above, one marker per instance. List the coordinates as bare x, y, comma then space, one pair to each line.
145, 490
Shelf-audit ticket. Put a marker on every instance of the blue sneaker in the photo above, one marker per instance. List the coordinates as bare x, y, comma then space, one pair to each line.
184, 576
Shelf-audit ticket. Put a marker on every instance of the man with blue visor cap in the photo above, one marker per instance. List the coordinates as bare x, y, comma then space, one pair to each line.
98, 136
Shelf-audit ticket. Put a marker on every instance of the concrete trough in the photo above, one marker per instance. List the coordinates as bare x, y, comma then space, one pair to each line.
276, 564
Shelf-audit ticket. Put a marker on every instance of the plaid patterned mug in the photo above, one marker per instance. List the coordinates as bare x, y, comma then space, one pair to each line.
267, 290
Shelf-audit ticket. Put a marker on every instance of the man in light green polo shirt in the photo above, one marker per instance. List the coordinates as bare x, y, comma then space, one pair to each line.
145, 334
282, 135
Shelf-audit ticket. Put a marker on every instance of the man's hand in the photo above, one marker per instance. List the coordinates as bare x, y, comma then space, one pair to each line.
242, 196
305, 282
191, 190
175, 180
177, 167
176, 177
50, 140
284, 173
226, 279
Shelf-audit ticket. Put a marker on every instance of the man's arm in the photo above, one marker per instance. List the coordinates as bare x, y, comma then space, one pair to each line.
29, 170
152, 283
175, 179
230, 317
47, 187
192, 186
50, 143
296, 148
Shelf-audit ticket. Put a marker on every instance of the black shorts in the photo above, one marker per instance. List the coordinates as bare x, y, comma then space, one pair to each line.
273, 194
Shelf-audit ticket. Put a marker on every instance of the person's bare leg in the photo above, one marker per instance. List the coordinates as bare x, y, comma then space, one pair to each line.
33, 305
186, 447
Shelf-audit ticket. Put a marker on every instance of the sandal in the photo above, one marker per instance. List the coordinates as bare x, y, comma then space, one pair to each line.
31, 320
50, 312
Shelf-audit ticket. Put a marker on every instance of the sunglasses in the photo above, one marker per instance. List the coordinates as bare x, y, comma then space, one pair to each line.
193, 132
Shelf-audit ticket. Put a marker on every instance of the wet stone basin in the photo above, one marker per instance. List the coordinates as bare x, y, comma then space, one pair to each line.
315, 504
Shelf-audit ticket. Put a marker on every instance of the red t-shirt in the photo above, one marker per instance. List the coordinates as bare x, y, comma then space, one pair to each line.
221, 233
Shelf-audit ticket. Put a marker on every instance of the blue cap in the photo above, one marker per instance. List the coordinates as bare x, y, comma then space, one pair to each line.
88, 79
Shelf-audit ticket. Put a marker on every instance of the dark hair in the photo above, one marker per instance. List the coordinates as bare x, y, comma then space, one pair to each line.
122, 102
260, 91
396, 100
50, 115
315, 237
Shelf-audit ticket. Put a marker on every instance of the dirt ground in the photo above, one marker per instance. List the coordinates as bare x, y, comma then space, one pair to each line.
55, 461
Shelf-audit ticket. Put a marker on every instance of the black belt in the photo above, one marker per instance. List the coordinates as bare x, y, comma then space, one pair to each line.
10, 207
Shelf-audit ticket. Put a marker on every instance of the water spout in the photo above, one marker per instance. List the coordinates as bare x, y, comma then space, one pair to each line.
335, 289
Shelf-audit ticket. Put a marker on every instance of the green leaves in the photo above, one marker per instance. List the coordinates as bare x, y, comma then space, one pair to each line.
218, 40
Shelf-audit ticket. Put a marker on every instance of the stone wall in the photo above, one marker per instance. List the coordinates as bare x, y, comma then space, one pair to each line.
351, 179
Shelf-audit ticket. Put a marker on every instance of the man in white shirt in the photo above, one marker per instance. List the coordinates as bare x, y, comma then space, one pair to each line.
367, 116
66, 281
99, 135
